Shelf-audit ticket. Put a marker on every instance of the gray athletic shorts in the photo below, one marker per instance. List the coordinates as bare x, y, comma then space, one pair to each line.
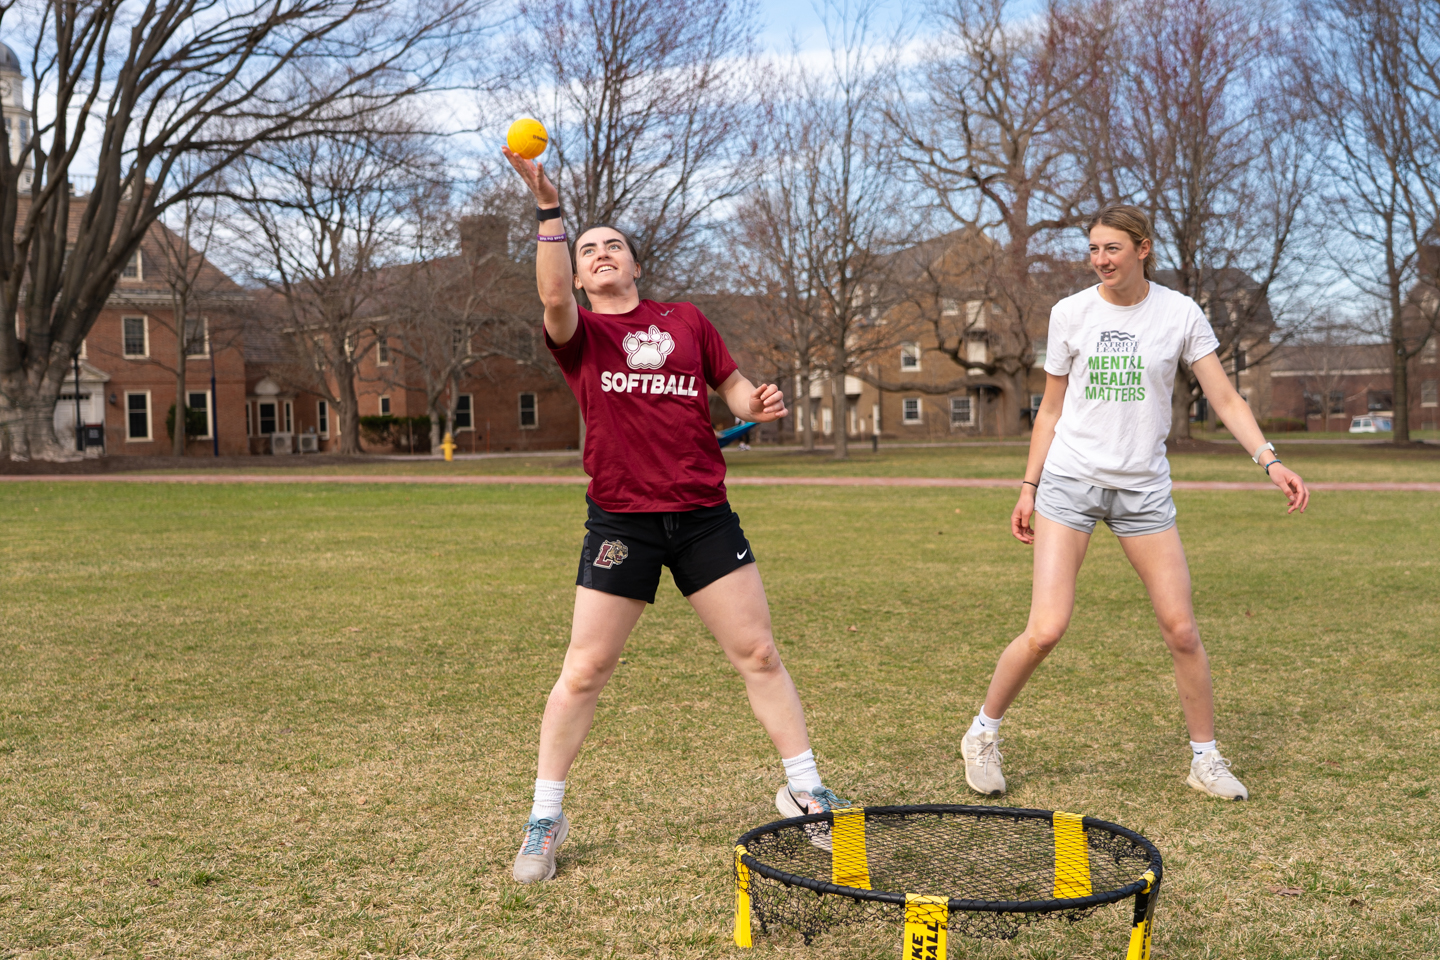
1078, 505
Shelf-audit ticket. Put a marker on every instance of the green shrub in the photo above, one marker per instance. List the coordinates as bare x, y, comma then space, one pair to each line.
197, 423
1283, 424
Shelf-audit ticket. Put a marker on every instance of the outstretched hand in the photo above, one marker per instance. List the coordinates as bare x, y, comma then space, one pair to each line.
767, 403
1293, 487
534, 176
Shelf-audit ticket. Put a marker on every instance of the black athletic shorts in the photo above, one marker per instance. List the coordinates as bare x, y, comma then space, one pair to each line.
623, 552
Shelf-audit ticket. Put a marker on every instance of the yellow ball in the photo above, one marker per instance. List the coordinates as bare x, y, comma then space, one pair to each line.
527, 137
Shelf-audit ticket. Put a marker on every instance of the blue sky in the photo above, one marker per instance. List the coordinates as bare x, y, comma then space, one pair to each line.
782, 17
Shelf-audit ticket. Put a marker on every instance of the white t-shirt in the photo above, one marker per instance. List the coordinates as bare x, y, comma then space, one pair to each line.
1121, 362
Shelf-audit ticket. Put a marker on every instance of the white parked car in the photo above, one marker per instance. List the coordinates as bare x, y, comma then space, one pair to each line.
1378, 423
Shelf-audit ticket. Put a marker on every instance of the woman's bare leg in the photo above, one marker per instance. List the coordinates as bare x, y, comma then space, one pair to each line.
734, 609
1159, 558
602, 623
1059, 551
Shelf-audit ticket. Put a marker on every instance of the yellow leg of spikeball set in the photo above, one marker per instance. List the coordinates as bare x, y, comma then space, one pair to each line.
1144, 920
742, 901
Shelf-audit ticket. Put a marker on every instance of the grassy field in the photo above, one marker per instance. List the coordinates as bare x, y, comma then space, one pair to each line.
1315, 462
296, 722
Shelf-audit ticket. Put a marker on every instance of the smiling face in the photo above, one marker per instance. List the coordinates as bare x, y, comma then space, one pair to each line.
603, 263
1118, 262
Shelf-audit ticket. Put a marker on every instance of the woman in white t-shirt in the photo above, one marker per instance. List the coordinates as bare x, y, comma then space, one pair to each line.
1097, 452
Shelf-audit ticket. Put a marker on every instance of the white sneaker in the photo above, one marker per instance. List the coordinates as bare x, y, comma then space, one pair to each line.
1210, 773
982, 762
822, 800
535, 862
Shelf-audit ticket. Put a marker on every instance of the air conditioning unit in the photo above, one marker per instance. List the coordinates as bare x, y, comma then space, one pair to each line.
282, 443
309, 443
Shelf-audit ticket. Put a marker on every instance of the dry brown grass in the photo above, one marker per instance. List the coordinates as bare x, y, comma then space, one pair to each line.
249, 722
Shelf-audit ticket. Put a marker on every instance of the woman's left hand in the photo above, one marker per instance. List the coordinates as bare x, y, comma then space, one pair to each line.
1294, 488
767, 403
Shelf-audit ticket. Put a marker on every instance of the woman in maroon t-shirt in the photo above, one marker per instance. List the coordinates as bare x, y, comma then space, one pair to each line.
639, 371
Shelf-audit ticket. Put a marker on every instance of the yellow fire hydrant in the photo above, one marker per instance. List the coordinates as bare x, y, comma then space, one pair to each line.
448, 445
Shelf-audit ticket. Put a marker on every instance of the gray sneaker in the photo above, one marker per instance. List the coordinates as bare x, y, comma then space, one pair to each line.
1210, 773
801, 804
982, 762
536, 860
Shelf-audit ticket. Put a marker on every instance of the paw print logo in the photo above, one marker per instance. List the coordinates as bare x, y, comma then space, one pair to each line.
647, 349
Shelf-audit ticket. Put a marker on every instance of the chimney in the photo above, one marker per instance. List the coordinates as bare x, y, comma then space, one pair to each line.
482, 235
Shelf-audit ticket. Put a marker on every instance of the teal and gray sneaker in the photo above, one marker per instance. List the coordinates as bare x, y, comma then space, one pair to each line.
536, 860
819, 800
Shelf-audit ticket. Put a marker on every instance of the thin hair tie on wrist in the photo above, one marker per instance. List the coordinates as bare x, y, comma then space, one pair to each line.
1035, 485
551, 237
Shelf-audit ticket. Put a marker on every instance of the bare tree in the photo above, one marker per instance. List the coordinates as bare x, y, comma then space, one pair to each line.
648, 105
829, 213
1212, 143
1372, 75
992, 139
321, 219
128, 91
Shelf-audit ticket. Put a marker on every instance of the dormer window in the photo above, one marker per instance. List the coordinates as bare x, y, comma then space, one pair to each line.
132, 269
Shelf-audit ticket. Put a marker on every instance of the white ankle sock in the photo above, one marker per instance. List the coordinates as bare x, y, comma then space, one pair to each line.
982, 723
801, 772
1199, 748
549, 794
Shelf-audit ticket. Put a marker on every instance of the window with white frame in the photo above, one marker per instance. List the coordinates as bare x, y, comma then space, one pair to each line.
267, 411
1429, 393
910, 409
382, 352
529, 411
962, 414
135, 337
975, 314
949, 307
134, 268
249, 424
1431, 350
200, 400
464, 413
137, 415
322, 417
197, 337
1035, 399
384, 406
289, 409
909, 356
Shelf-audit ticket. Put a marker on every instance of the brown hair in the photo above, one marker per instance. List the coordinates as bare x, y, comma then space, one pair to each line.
1131, 221
634, 254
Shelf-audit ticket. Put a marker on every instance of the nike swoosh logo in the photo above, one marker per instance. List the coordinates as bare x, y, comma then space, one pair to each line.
668, 312
742, 553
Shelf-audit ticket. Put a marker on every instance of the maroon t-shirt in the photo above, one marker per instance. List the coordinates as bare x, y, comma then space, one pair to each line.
640, 379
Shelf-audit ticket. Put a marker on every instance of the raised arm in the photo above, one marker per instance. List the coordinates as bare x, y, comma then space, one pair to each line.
1235, 413
553, 274
1042, 434
748, 402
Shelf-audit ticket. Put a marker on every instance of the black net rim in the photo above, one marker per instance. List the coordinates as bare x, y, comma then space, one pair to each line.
1139, 885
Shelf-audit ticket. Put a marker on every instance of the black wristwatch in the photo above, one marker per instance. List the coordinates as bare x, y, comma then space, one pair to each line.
543, 214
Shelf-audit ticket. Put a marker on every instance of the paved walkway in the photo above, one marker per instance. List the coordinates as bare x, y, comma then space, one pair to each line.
997, 482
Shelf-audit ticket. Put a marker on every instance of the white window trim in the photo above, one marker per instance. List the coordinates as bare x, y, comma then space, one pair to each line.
144, 329
1435, 389
259, 431
149, 417
969, 421
289, 418
905, 410
139, 267
384, 404
535, 407
383, 353
910, 350
249, 420
204, 337
471, 428
209, 413
323, 419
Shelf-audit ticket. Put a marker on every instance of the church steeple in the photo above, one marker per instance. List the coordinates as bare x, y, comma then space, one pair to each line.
19, 126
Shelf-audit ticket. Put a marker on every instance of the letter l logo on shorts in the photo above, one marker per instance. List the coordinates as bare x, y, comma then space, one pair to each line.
612, 554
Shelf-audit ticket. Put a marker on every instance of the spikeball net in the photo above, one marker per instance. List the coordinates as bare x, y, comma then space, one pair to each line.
942, 869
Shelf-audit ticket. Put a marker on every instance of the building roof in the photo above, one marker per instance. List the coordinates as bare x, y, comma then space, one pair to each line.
1330, 359
8, 60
